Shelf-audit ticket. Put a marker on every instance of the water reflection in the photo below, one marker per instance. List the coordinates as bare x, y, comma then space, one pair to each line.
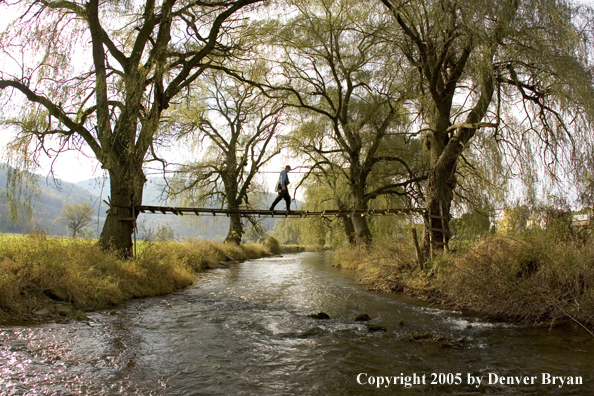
246, 331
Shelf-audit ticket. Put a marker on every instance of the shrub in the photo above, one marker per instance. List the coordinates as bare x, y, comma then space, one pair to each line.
272, 245
387, 266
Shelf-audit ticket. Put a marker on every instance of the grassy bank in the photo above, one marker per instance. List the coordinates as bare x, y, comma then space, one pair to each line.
35, 268
532, 278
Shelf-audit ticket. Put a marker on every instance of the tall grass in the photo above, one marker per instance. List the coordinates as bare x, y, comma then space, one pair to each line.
532, 278
388, 266
538, 276
92, 277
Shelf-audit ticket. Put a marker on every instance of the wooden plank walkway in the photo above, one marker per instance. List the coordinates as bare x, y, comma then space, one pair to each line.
283, 213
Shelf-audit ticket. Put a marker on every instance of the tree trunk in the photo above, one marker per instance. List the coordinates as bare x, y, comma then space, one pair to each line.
445, 149
232, 196
349, 230
347, 224
440, 193
235, 229
126, 192
362, 233
361, 228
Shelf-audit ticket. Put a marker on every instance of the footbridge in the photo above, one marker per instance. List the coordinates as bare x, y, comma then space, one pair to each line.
180, 211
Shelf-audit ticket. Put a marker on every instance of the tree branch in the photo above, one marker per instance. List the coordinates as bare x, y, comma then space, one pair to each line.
56, 112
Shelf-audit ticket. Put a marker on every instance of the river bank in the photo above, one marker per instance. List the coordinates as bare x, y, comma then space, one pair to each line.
44, 277
533, 278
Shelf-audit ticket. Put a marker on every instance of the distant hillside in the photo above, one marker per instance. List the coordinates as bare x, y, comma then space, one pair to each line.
152, 194
48, 207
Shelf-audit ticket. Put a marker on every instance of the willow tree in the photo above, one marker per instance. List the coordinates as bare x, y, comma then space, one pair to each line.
513, 71
335, 60
238, 126
101, 74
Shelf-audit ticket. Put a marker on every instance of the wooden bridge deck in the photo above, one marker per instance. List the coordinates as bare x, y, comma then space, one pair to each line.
282, 213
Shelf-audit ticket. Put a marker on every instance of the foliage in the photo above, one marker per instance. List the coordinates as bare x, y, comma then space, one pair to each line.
471, 225
388, 266
287, 231
514, 72
534, 278
392, 226
552, 219
324, 191
350, 97
329, 231
317, 233
165, 233
513, 220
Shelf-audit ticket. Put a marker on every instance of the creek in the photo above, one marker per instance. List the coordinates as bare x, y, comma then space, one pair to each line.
246, 330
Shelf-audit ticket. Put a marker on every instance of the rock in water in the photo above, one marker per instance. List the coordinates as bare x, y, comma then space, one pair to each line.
362, 318
321, 315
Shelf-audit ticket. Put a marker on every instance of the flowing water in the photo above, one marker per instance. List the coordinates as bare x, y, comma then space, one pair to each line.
246, 331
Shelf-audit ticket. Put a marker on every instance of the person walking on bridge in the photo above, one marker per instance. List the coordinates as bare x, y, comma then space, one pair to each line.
282, 189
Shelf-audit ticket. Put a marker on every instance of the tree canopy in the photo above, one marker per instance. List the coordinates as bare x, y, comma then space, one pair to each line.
338, 73
513, 70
